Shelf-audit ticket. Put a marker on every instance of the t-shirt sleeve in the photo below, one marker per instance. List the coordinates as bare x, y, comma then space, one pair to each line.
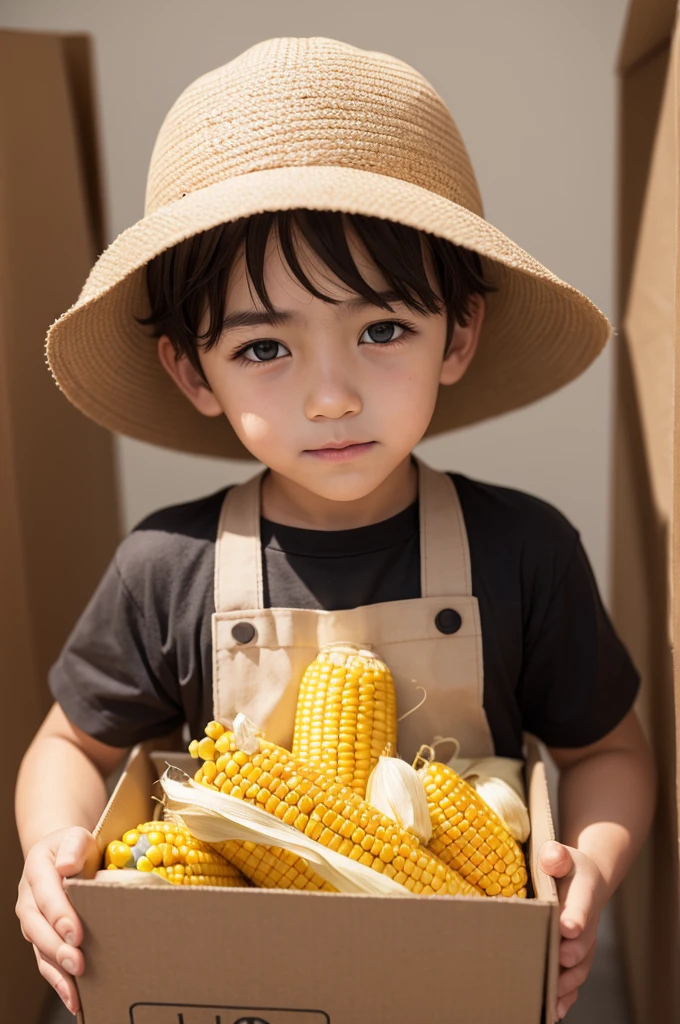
578, 680
112, 678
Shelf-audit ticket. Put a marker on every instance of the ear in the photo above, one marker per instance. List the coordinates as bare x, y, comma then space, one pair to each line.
187, 380
463, 343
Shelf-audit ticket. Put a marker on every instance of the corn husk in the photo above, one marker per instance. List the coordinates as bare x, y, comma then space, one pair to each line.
502, 799
246, 734
395, 788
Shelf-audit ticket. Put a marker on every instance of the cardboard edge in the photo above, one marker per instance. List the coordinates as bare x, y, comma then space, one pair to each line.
545, 888
79, 64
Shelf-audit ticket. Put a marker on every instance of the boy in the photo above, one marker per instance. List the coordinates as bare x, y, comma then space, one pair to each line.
324, 291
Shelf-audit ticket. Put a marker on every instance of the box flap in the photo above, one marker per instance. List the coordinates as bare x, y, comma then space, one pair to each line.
130, 803
542, 829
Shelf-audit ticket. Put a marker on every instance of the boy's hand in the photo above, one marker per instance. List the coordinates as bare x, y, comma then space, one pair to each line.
582, 894
47, 917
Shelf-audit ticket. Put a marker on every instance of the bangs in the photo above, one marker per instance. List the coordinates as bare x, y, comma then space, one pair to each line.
192, 278
396, 251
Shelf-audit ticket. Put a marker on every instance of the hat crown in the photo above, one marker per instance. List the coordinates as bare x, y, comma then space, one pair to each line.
301, 102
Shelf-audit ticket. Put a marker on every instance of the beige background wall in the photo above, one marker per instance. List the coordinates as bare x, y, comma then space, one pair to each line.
532, 88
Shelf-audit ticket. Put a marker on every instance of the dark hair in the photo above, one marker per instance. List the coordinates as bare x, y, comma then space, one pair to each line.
192, 276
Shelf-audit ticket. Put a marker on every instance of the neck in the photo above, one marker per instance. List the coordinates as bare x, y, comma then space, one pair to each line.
289, 504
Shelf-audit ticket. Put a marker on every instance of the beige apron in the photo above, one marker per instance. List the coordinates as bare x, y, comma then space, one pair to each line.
434, 641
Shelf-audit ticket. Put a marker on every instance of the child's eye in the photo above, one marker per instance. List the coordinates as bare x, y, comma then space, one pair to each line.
263, 351
384, 332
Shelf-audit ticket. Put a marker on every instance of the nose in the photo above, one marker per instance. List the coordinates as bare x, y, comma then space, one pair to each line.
331, 393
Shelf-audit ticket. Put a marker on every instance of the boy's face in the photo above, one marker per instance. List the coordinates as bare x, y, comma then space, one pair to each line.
332, 398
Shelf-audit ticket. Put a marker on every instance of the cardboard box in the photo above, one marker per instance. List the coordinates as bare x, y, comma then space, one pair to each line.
176, 955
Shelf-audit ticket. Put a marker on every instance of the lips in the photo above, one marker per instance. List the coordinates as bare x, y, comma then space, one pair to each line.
338, 451
337, 444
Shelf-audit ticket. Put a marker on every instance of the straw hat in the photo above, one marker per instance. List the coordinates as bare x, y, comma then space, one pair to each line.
322, 125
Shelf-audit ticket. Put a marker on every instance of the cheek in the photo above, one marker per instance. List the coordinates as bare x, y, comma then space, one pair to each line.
259, 417
253, 427
410, 395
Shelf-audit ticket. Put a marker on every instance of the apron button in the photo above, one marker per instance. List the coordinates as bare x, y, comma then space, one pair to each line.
448, 621
243, 632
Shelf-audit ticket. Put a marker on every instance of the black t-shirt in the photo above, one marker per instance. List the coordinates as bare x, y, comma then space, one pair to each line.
139, 661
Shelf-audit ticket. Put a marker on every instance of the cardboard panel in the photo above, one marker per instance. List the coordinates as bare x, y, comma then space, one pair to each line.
644, 503
58, 510
352, 957
648, 26
639, 603
649, 318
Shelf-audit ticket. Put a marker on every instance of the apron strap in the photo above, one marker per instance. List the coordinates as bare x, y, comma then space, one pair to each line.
444, 553
238, 554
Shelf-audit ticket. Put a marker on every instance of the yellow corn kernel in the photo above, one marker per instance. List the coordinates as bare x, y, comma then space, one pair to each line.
214, 730
119, 855
206, 749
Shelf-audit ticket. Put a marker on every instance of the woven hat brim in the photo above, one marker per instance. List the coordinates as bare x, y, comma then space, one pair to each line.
539, 333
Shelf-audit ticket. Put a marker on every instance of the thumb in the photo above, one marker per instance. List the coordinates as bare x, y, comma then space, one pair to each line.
577, 886
77, 847
555, 859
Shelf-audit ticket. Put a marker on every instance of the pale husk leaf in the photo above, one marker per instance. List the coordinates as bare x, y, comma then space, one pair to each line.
395, 788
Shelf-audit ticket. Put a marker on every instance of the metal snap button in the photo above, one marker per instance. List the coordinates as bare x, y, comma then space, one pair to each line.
243, 632
448, 621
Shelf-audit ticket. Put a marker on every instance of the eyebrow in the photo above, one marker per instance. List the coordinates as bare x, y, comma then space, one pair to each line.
280, 317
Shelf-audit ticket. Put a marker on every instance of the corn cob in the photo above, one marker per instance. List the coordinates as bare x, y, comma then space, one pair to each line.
346, 714
170, 850
271, 867
468, 836
324, 810
267, 867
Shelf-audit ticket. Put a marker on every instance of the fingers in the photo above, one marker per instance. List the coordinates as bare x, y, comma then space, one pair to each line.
47, 918
565, 1004
572, 978
573, 951
37, 930
47, 893
60, 981
581, 893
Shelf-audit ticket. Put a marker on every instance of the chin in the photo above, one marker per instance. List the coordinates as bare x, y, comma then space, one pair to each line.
344, 488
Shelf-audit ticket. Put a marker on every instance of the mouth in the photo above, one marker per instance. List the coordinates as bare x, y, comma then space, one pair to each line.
339, 451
